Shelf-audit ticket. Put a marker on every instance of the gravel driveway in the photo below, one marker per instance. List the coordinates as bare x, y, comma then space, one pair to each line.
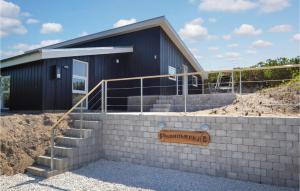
107, 175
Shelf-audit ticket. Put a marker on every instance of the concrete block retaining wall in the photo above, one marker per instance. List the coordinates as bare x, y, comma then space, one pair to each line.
194, 102
258, 149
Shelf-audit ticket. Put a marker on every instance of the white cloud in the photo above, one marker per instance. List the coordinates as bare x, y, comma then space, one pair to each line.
251, 51
247, 30
6, 54
32, 21
212, 20
226, 37
213, 48
25, 47
268, 6
261, 44
51, 28
9, 19
226, 5
281, 28
234, 45
83, 33
195, 52
296, 37
25, 14
123, 22
231, 56
194, 31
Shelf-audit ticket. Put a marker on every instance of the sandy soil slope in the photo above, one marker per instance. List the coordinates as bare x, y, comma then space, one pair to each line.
283, 100
23, 137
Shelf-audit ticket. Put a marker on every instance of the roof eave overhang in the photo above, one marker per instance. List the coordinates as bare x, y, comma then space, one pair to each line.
61, 53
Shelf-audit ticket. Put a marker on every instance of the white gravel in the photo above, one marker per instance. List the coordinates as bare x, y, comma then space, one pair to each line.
108, 175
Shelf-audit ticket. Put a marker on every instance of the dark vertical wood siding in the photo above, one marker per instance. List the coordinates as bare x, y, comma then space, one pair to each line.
26, 86
171, 56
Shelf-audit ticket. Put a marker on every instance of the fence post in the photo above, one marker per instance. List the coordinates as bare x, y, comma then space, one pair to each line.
141, 95
52, 149
102, 98
105, 95
81, 118
241, 82
232, 82
176, 85
203, 87
185, 84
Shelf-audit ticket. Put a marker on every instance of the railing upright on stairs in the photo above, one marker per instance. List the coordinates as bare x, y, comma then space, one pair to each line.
80, 102
104, 95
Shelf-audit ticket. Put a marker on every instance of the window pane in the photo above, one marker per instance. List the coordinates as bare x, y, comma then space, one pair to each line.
79, 68
5, 100
5, 83
78, 84
77, 97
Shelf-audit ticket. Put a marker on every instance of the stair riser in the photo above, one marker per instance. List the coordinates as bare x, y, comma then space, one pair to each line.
69, 142
159, 110
164, 101
86, 124
58, 164
61, 152
43, 173
72, 132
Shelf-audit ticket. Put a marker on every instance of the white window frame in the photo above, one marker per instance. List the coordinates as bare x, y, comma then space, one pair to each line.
195, 79
4, 92
171, 68
85, 78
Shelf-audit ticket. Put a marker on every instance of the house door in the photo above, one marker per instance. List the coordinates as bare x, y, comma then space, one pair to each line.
185, 81
80, 82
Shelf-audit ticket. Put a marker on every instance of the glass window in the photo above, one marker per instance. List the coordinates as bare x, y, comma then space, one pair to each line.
171, 71
195, 81
5, 91
79, 84
79, 68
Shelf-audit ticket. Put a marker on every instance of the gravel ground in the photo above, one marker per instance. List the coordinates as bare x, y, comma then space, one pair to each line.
108, 175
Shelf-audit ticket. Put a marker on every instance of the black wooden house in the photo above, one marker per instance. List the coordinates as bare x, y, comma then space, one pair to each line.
54, 77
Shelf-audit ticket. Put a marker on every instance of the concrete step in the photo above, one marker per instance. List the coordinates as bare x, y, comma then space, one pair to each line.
62, 151
59, 163
69, 141
73, 132
159, 110
86, 124
43, 171
86, 116
159, 101
161, 105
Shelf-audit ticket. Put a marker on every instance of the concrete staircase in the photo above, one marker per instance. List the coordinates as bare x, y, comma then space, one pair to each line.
163, 104
70, 150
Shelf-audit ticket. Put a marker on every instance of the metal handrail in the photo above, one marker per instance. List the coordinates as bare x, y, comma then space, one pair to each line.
67, 113
141, 78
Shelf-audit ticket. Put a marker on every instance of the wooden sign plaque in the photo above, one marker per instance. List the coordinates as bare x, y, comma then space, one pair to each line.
184, 137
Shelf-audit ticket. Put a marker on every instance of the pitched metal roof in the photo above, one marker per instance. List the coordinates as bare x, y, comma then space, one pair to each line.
159, 21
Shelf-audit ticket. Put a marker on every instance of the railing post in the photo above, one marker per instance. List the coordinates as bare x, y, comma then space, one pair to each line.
105, 95
141, 95
232, 82
102, 98
81, 118
241, 82
185, 90
52, 149
203, 87
176, 85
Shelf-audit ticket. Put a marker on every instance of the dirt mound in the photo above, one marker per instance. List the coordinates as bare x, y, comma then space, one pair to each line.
283, 100
23, 138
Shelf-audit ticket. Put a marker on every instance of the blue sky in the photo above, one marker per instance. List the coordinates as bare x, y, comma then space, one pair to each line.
220, 33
